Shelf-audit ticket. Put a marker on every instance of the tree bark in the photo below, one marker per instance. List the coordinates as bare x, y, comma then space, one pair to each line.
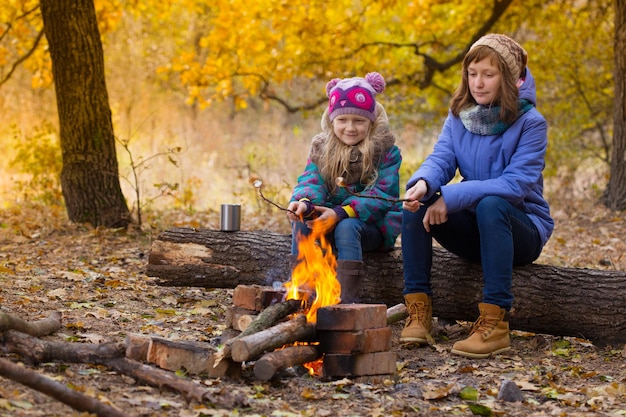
616, 192
552, 300
90, 178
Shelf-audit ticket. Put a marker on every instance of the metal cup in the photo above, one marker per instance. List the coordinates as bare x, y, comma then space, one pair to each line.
230, 217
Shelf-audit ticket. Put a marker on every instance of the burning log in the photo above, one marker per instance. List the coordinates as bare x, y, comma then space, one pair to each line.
266, 318
252, 346
207, 258
273, 362
270, 316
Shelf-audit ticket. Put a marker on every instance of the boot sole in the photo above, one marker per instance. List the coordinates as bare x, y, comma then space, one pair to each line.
413, 340
479, 355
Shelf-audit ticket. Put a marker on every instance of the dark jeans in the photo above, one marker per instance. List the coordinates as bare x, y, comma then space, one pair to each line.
350, 238
498, 235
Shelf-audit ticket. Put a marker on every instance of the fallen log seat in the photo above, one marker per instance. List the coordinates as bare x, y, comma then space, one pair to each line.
552, 300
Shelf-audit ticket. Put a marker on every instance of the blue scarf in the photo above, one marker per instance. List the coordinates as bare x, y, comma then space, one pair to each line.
485, 121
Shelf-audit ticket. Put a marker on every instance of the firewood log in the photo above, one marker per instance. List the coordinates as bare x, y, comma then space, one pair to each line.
271, 363
294, 330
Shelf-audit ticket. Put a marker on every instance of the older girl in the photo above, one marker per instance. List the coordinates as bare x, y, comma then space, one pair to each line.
496, 139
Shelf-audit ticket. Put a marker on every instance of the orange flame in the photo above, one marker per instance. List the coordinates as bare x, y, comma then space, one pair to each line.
314, 279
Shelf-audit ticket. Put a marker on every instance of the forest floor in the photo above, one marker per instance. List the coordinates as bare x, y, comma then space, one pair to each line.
96, 279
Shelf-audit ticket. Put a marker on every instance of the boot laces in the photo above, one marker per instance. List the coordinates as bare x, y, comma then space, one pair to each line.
417, 312
484, 325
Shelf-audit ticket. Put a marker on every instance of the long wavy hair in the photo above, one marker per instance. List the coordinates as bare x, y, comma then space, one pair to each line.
335, 156
508, 93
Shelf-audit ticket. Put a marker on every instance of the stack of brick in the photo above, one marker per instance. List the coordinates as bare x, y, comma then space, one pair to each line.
356, 342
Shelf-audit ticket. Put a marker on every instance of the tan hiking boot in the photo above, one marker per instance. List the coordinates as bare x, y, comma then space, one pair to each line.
419, 323
489, 336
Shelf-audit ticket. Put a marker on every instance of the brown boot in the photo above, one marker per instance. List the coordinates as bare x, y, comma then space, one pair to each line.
489, 336
349, 275
419, 323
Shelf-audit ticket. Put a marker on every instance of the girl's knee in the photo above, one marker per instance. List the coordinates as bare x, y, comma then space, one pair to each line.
347, 227
491, 203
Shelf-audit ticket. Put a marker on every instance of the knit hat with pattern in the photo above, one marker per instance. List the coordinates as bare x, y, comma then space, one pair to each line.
511, 52
354, 95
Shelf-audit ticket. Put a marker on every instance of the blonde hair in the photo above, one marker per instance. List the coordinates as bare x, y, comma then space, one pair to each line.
335, 155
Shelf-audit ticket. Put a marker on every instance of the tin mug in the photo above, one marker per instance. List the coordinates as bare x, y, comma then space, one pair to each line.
230, 217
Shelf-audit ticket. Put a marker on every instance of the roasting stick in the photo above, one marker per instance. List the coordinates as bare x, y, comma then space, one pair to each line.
258, 184
341, 182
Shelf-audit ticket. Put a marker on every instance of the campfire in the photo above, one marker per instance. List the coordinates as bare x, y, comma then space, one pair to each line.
304, 324
314, 278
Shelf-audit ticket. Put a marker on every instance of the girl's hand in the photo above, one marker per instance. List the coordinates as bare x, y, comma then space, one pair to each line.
437, 213
415, 194
297, 207
325, 215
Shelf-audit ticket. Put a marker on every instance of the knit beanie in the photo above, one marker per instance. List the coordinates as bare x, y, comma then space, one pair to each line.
511, 52
354, 95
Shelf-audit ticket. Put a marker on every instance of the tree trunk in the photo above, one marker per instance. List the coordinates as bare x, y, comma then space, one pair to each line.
616, 193
559, 301
90, 178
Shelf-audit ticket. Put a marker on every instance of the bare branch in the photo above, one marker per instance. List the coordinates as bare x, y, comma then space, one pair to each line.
22, 58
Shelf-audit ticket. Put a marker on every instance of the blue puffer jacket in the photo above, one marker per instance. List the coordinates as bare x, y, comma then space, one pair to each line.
508, 165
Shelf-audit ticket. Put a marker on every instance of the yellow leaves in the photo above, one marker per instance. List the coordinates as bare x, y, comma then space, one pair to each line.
309, 394
434, 391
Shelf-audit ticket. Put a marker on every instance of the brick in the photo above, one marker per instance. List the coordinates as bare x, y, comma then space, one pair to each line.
376, 363
359, 341
256, 297
352, 317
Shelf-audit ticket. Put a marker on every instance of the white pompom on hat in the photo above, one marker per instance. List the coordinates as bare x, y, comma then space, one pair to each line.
354, 95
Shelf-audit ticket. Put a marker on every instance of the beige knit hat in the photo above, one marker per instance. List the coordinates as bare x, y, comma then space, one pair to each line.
513, 54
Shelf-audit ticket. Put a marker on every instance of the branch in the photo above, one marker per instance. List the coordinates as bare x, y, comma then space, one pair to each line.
74, 399
422, 79
37, 328
22, 58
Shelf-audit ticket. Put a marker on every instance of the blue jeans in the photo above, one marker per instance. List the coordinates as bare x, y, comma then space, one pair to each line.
498, 235
350, 238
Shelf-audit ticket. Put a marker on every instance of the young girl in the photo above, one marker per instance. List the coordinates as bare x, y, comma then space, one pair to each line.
497, 214
357, 145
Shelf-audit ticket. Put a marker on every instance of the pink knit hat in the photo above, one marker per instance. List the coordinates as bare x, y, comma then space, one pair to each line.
354, 95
